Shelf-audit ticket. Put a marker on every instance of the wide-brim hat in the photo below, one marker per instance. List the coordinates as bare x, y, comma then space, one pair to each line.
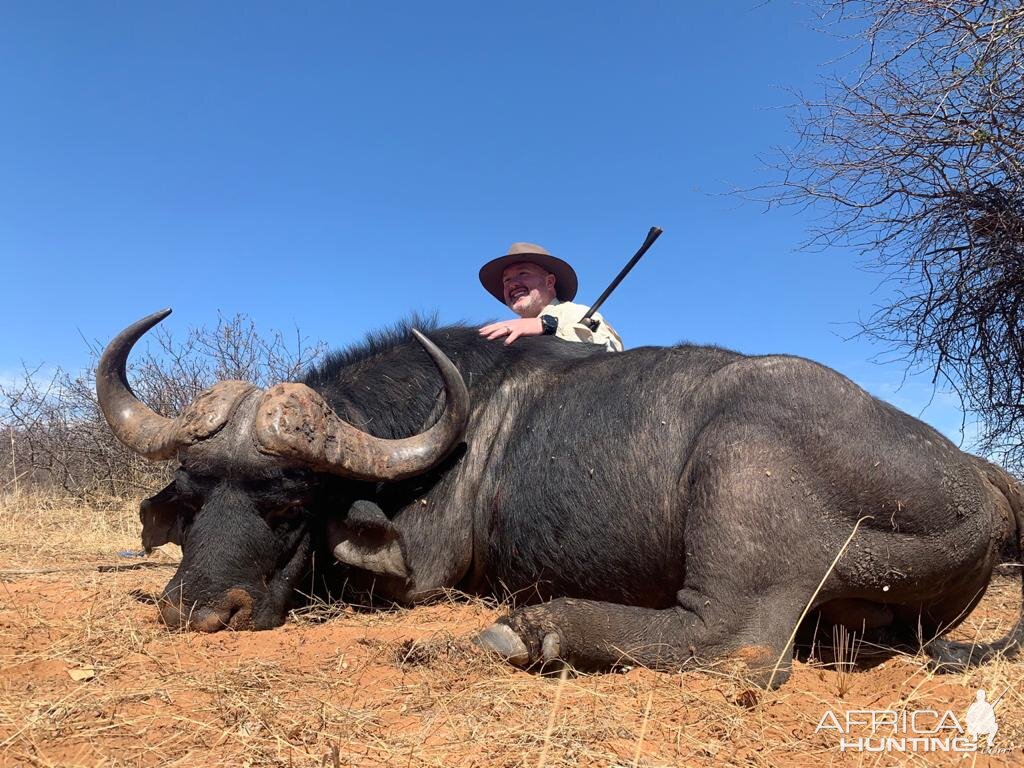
565, 276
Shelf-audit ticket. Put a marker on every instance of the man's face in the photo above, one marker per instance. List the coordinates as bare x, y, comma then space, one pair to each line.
528, 288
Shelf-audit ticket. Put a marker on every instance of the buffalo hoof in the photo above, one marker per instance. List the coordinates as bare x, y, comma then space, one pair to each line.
551, 648
500, 639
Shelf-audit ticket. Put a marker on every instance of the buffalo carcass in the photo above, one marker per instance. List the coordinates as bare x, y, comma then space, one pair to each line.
655, 507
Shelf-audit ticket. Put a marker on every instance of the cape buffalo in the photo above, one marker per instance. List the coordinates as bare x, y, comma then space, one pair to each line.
657, 506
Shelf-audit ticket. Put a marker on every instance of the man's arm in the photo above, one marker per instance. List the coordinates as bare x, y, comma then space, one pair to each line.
566, 315
513, 329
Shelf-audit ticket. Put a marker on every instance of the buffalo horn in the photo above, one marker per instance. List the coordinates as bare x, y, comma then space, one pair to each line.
142, 429
296, 423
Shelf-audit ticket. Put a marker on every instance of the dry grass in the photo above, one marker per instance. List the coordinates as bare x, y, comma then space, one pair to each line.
88, 677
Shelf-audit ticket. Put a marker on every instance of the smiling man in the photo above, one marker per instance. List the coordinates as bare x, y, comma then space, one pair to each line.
540, 288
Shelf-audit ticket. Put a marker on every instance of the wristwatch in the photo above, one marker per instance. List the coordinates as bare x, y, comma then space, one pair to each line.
549, 324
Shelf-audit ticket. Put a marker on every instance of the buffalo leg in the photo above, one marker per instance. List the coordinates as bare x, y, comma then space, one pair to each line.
753, 560
595, 635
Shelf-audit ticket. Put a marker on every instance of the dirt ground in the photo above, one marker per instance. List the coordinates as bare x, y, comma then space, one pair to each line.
89, 677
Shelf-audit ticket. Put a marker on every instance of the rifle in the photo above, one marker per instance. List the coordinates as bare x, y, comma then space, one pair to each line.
588, 319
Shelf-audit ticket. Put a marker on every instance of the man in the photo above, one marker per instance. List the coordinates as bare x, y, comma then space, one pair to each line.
539, 288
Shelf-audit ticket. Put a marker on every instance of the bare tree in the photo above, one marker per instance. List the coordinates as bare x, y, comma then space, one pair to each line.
916, 158
53, 433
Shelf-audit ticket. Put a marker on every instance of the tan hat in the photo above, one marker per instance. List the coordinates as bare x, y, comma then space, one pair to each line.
565, 276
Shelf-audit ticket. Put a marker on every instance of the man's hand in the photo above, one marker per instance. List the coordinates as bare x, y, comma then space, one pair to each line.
513, 329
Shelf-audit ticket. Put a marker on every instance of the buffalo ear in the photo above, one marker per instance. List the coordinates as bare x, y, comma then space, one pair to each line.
161, 519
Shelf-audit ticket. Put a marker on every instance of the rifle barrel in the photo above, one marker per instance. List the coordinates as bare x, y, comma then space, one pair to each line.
652, 235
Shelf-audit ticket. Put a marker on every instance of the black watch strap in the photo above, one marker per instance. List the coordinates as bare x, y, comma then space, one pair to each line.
549, 324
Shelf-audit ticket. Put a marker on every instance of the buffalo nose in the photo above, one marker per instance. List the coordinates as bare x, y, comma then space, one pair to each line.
207, 620
171, 614
232, 610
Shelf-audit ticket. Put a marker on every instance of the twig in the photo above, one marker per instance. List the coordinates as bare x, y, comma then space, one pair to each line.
14, 466
551, 718
643, 730
102, 568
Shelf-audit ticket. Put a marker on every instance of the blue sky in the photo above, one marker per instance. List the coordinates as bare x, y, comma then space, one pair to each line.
337, 165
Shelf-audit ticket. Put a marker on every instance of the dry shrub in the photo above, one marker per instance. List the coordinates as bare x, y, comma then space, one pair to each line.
53, 435
912, 155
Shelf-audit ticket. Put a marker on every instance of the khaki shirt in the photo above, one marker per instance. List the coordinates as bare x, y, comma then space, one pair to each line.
569, 328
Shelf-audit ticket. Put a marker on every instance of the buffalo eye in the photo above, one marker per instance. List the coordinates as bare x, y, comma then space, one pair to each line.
189, 490
284, 515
